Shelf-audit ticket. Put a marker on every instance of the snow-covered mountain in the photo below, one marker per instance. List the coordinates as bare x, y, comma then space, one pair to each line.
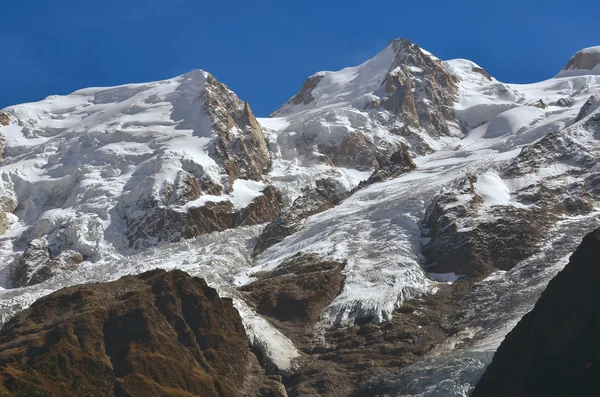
420, 177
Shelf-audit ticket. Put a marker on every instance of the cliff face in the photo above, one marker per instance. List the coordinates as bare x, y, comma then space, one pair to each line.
156, 334
555, 349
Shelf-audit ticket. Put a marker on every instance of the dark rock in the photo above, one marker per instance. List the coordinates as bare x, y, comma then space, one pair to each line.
398, 164
305, 94
298, 289
331, 189
187, 188
8, 203
482, 72
586, 108
264, 208
156, 334
565, 102
554, 349
162, 223
583, 61
356, 150
461, 244
240, 146
4, 119
413, 76
291, 220
36, 264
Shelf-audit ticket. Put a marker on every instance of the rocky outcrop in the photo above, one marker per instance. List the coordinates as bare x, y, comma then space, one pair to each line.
4, 119
588, 107
460, 242
240, 145
161, 223
187, 188
586, 61
305, 95
156, 334
37, 265
292, 219
565, 102
8, 203
486, 246
398, 164
355, 150
554, 349
482, 72
421, 92
298, 289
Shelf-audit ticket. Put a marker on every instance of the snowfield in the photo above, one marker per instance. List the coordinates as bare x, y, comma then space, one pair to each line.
76, 164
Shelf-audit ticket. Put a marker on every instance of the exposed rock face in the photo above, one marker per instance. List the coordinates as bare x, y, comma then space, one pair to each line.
356, 151
413, 77
586, 61
8, 203
305, 95
482, 72
468, 244
156, 334
298, 290
565, 102
240, 145
164, 223
36, 264
187, 188
554, 349
399, 163
292, 219
461, 244
588, 107
262, 209
4, 119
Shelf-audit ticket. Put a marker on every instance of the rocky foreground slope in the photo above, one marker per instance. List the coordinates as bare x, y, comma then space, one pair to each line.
156, 334
379, 235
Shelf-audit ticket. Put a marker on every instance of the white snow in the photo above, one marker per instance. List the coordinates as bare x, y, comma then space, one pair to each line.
244, 191
591, 50
76, 161
492, 189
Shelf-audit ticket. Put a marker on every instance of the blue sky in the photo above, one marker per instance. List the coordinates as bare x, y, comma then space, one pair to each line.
264, 50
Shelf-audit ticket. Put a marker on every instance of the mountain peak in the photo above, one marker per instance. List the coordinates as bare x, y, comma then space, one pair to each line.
400, 42
586, 61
